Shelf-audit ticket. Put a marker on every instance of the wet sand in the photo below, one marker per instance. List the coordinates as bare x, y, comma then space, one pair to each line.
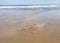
12, 20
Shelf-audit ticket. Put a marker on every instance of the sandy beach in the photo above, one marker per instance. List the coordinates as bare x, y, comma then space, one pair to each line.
11, 20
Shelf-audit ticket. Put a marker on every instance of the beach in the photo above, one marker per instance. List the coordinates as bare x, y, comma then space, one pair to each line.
11, 20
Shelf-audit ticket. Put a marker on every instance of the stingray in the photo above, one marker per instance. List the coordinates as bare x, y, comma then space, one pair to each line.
32, 27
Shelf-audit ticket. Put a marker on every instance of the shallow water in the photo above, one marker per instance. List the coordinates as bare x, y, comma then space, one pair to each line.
11, 20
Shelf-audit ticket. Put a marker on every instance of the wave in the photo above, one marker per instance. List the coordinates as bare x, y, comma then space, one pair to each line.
34, 6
